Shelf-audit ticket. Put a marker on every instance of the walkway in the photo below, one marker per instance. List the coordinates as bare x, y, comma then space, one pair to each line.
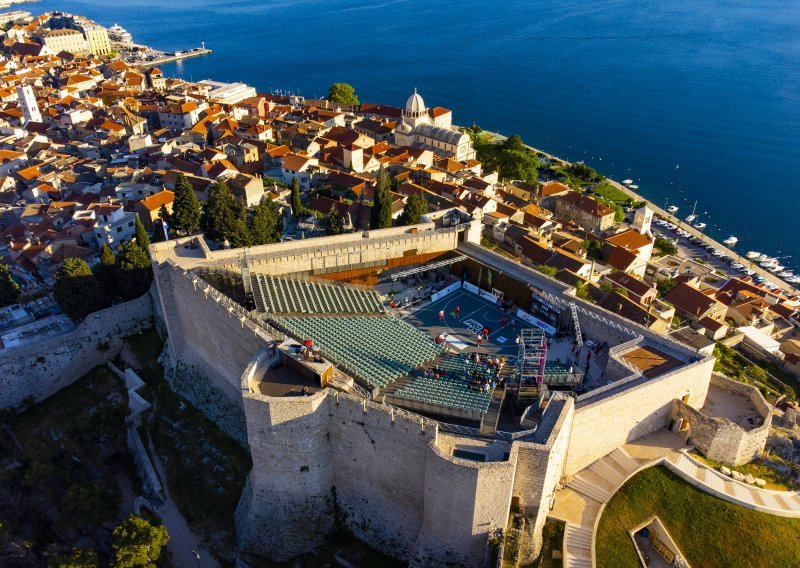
182, 542
581, 502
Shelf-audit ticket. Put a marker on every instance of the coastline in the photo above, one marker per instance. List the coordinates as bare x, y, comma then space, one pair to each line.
660, 212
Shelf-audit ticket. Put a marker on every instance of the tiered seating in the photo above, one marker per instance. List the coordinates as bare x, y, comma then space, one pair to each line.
290, 296
377, 350
452, 390
449, 391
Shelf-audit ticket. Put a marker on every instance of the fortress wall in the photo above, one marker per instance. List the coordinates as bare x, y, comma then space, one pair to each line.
606, 423
379, 472
465, 501
720, 439
540, 467
41, 369
288, 508
325, 254
209, 336
211, 344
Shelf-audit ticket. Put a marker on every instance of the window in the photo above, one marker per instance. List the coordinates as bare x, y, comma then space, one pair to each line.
119, 229
130, 223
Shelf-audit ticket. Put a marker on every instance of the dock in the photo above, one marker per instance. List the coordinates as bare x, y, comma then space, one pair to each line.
170, 58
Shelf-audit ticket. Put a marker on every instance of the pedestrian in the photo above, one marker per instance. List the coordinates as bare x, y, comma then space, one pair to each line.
441, 315
457, 310
480, 339
504, 321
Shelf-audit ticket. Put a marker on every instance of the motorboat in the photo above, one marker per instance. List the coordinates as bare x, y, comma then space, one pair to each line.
753, 254
699, 226
749, 271
768, 263
775, 269
691, 218
794, 280
672, 209
730, 241
786, 274
633, 186
627, 181
736, 266
763, 257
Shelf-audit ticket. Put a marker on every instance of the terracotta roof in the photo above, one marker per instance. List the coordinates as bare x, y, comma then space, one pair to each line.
631, 240
154, 202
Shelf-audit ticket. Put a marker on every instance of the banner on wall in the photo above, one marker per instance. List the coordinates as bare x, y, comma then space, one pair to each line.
536, 322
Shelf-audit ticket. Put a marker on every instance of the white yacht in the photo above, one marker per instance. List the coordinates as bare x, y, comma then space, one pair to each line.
627, 181
730, 241
775, 269
786, 274
753, 254
691, 218
118, 33
699, 226
633, 186
672, 209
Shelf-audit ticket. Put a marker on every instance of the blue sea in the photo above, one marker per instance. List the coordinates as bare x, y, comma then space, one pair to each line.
696, 101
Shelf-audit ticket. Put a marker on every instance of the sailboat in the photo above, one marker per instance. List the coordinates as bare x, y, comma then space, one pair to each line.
693, 216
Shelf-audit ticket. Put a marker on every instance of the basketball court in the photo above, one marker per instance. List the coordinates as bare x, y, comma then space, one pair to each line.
462, 330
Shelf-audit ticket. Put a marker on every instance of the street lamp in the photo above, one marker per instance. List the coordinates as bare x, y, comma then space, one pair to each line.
196, 557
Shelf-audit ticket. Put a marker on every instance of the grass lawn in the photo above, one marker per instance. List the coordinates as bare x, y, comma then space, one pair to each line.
710, 532
611, 193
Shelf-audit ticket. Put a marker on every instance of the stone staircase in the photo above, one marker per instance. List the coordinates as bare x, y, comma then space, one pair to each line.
596, 483
603, 477
492, 416
578, 553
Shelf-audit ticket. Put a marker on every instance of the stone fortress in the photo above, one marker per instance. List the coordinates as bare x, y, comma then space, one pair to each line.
427, 484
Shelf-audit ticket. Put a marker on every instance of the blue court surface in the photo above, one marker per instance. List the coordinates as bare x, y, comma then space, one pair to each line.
462, 329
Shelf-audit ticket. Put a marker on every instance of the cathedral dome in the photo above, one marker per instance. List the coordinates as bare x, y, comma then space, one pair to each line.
415, 105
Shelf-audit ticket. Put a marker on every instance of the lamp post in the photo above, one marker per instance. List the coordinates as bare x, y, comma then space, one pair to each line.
196, 557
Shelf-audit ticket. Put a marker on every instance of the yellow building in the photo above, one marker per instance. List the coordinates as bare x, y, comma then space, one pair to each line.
97, 38
71, 41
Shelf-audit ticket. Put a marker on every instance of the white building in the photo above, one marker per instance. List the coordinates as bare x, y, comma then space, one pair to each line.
228, 93
418, 129
28, 105
113, 225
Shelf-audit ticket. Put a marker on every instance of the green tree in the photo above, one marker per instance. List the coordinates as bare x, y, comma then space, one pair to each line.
515, 161
582, 290
415, 208
550, 271
137, 543
754, 374
665, 246
134, 271
185, 208
77, 291
335, 225
381, 216
265, 224
297, 203
106, 271
594, 249
665, 286
9, 289
220, 212
343, 94
141, 237
86, 504
76, 559
240, 233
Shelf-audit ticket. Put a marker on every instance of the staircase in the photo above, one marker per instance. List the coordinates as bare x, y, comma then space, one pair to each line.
578, 334
492, 416
596, 483
578, 547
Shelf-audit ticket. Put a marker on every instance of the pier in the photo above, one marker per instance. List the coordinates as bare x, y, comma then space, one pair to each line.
177, 56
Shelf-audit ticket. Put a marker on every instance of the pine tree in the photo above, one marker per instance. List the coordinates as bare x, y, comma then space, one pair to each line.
297, 203
335, 222
9, 289
240, 233
106, 271
219, 213
134, 271
265, 224
142, 240
185, 207
381, 216
137, 543
77, 291
415, 208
